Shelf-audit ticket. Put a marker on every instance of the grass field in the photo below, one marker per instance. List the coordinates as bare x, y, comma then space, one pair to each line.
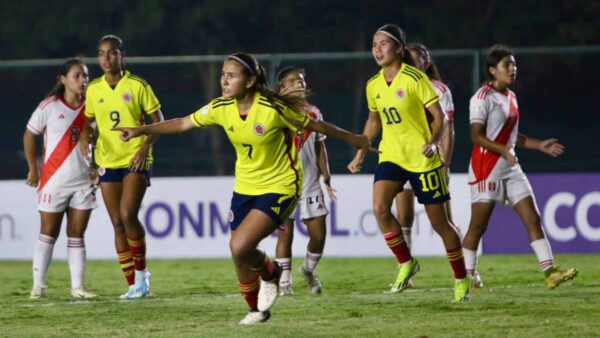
200, 298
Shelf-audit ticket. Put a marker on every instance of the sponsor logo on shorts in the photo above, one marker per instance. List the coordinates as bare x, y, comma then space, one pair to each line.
231, 216
101, 171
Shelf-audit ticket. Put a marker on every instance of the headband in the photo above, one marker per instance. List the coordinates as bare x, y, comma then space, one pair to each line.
244, 63
391, 36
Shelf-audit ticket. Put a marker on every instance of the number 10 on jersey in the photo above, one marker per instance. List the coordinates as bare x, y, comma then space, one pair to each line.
392, 115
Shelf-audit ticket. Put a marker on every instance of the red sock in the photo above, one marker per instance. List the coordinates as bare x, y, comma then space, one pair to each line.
138, 249
249, 290
398, 246
265, 268
457, 261
126, 262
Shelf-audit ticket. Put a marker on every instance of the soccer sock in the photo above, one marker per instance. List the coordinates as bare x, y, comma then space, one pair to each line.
138, 250
42, 255
470, 260
398, 246
76, 258
542, 250
407, 234
311, 260
126, 261
457, 261
265, 268
286, 270
249, 290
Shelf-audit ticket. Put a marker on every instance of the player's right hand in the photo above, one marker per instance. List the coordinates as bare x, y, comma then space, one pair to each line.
356, 164
127, 133
33, 178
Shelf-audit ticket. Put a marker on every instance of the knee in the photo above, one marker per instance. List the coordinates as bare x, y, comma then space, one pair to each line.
381, 211
238, 248
127, 216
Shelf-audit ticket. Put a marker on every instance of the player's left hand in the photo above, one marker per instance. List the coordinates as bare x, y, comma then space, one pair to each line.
552, 147
429, 149
138, 162
331, 192
362, 142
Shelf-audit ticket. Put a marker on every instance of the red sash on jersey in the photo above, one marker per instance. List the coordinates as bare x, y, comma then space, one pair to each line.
483, 160
62, 150
300, 138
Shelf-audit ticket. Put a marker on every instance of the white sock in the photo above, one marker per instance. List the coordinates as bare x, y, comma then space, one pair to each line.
407, 234
286, 270
140, 275
470, 260
542, 250
42, 255
311, 260
76, 258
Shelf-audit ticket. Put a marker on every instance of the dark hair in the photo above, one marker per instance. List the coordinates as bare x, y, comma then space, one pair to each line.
430, 66
399, 37
495, 55
117, 43
59, 88
251, 67
287, 71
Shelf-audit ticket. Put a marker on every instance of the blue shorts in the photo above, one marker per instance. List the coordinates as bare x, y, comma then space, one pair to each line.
276, 206
430, 187
117, 175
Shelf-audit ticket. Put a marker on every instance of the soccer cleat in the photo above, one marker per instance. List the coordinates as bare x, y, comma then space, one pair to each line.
147, 278
82, 293
37, 292
128, 294
477, 282
556, 276
461, 290
269, 290
407, 270
313, 282
285, 289
255, 317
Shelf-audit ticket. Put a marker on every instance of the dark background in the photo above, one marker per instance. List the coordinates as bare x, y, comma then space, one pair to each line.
556, 43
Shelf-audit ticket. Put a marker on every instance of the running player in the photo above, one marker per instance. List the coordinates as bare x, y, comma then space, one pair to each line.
494, 172
119, 98
259, 123
65, 186
311, 205
397, 97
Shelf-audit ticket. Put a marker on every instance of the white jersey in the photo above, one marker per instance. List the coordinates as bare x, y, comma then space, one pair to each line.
64, 167
445, 99
306, 145
499, 112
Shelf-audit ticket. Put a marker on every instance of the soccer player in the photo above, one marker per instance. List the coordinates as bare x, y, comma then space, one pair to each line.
397, 98
311, 205
268, 176
65, 186
120, 98
494, 171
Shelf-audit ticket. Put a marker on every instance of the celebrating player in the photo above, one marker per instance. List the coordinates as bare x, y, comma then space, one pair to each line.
119, 98
494, 172
397, 98
65, 186
311, 206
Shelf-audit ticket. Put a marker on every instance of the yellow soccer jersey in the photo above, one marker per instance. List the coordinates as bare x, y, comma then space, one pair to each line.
123, 106
267, 160
401, 107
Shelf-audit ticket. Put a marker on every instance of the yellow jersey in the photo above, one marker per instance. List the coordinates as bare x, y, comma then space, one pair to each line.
401, 107
266, 159
122, 106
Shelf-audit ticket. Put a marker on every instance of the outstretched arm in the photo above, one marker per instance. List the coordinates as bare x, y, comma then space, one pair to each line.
371, 130
549, 146
358, 141
173, 126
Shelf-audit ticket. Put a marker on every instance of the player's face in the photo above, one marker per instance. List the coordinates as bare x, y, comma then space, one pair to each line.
234, 82
417, 59
293, 84
385, 50
109, 58
505, 71
76, 80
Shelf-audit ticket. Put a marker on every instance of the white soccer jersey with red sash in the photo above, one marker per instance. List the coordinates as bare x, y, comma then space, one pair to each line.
305, 143
445, 99
64, 167
499, 112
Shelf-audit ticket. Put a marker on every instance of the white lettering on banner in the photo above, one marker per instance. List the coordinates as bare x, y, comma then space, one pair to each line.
567, 232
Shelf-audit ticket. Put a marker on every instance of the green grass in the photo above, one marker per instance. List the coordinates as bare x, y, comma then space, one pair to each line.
200, 298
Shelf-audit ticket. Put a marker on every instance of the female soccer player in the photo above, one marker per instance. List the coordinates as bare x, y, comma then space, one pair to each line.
494, 171
397, 97
311, 205
65, 186
119, 98
268, 175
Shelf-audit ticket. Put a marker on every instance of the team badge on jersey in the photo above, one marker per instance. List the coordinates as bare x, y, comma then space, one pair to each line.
259, 129
126, 97
400, 94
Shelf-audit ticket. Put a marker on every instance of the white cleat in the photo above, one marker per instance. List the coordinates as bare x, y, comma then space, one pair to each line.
128, 294
147, 278
256, 317
285, 289
477, 282
83, 293
313, 282
267, 294
37, 292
